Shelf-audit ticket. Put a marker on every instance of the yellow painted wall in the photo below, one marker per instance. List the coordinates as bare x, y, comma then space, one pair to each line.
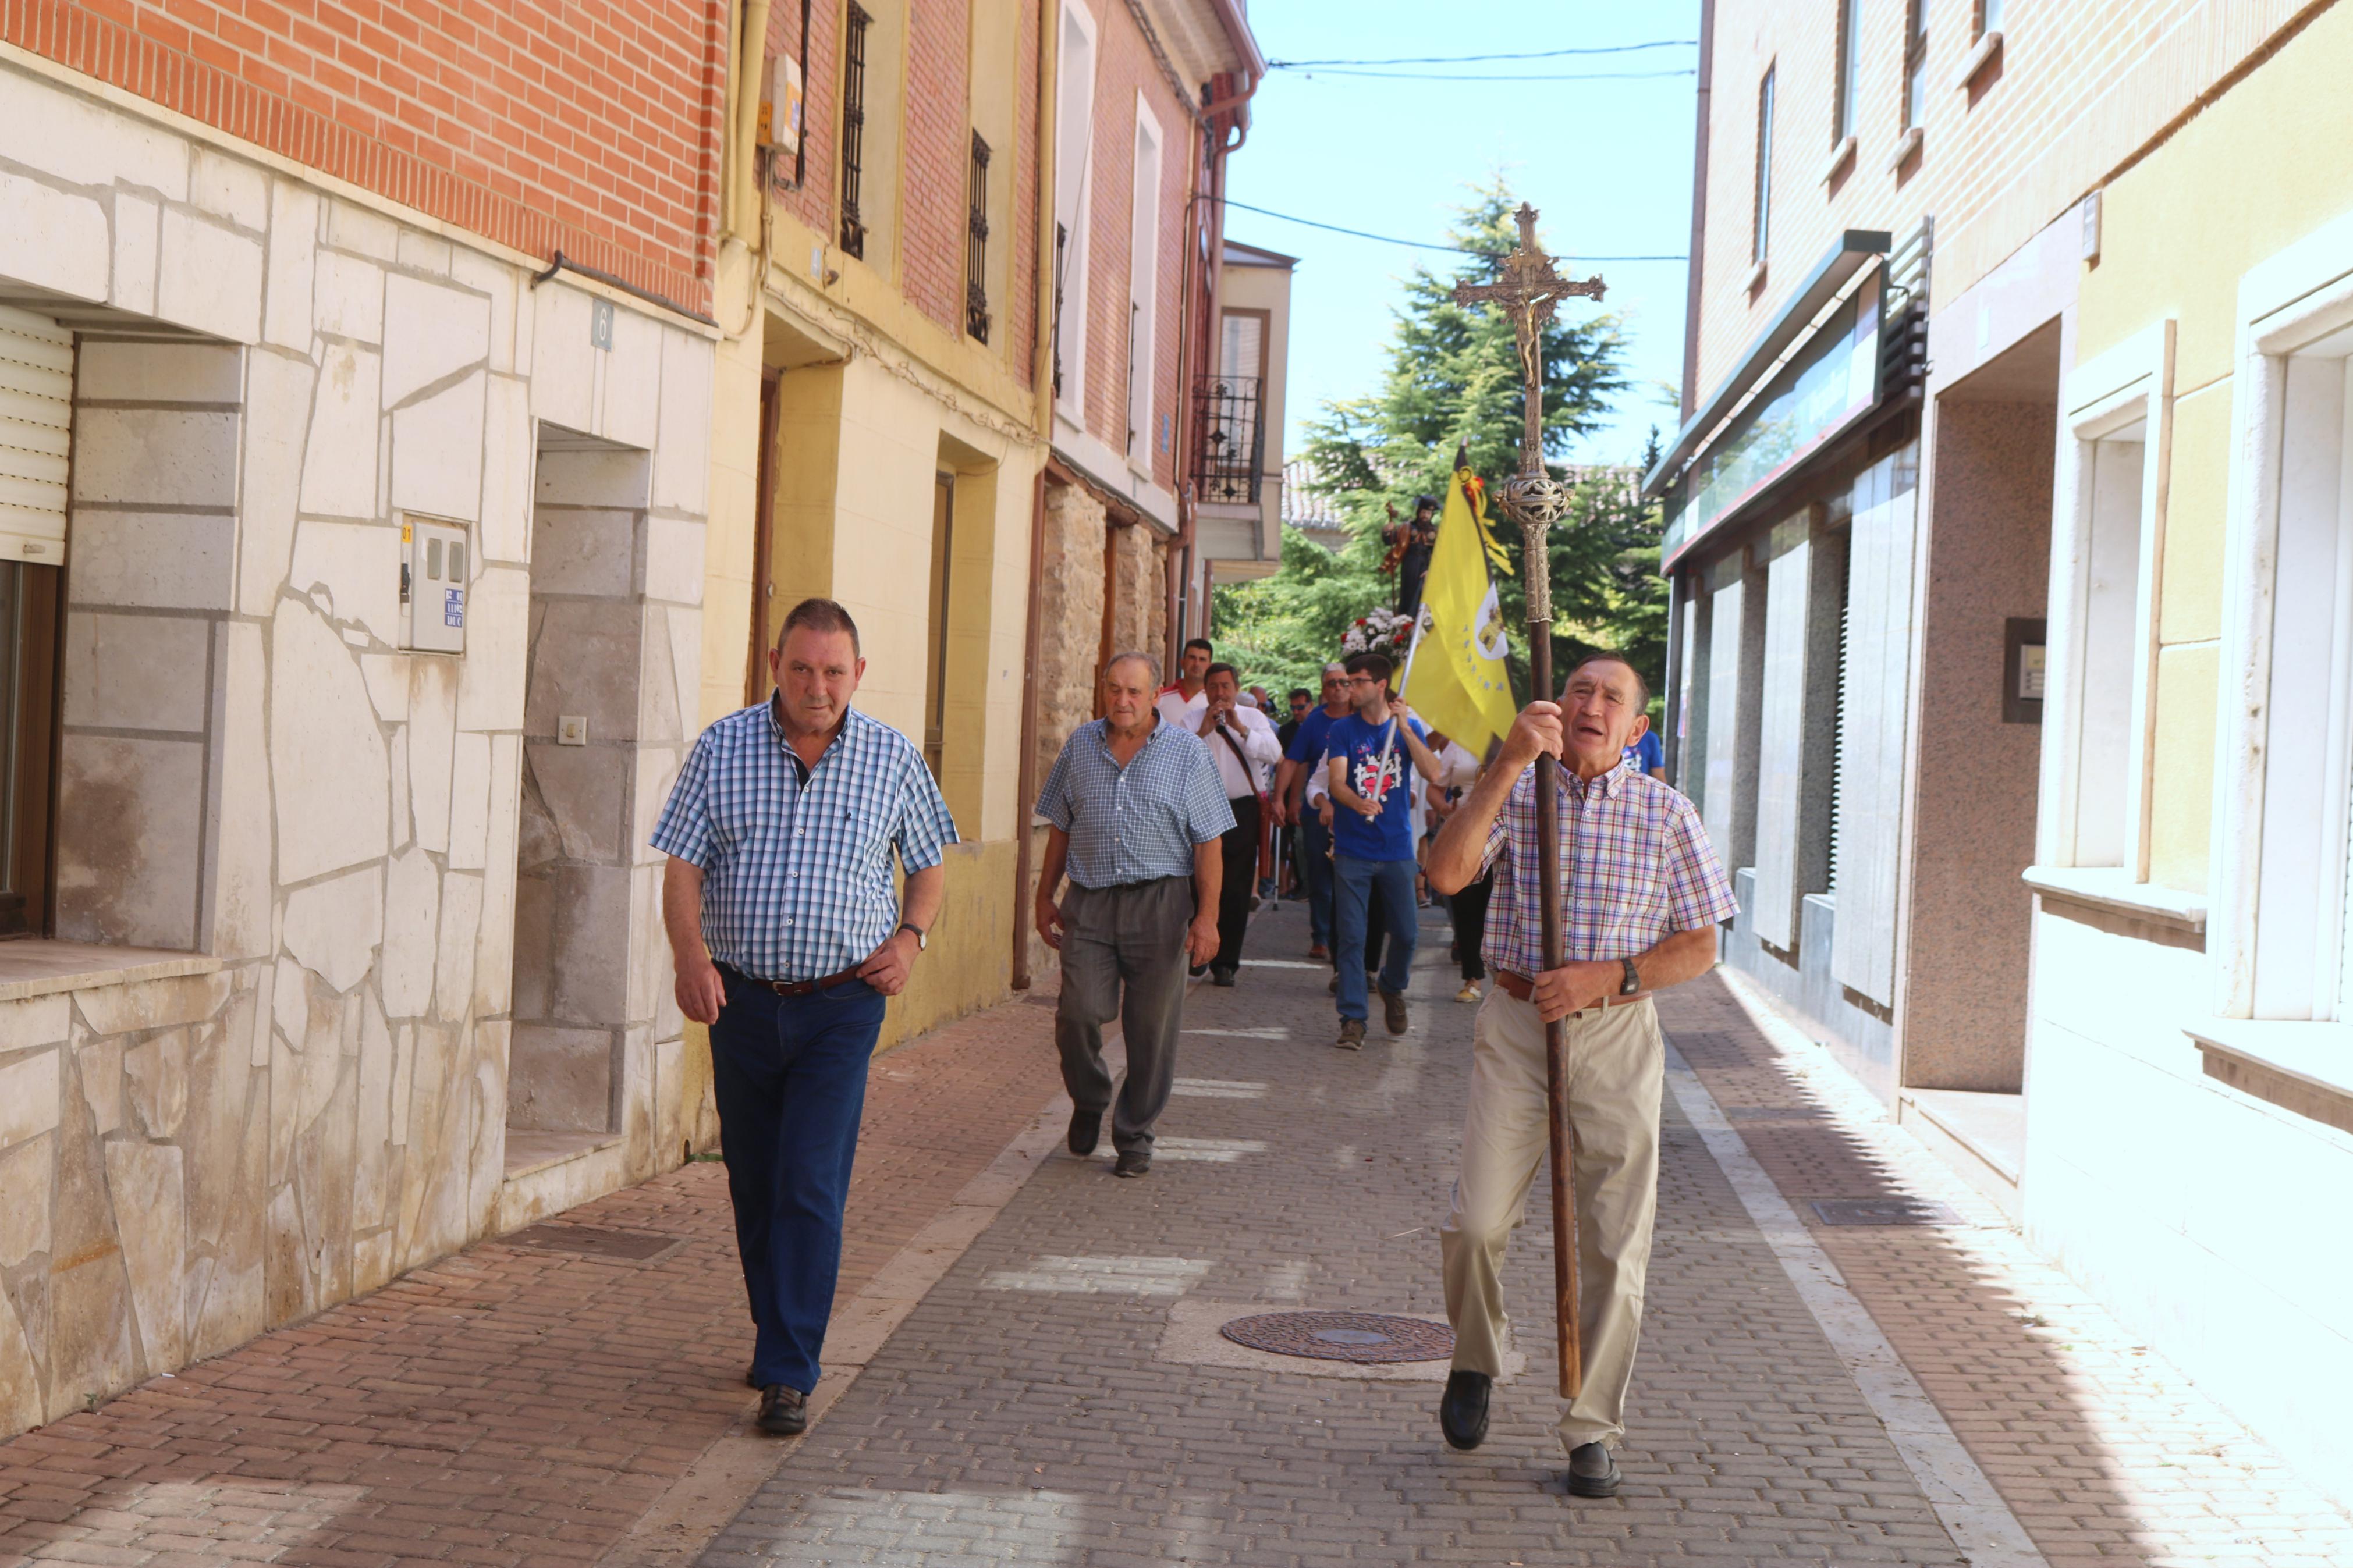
2179, 230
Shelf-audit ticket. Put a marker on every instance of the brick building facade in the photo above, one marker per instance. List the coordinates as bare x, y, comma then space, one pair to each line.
1972, 671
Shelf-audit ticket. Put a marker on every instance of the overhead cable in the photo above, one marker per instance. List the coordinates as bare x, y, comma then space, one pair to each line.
1474, 59
1418, 244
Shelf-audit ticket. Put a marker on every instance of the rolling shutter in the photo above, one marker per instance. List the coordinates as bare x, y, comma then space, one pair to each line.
36, 436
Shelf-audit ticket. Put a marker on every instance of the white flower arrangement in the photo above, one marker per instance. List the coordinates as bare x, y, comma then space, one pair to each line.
1381, 631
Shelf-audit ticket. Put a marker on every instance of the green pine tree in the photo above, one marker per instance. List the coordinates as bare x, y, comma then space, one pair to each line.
1454, 382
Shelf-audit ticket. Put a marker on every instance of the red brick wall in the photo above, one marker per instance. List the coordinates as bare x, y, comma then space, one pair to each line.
1127, 68
937, 148
585, 125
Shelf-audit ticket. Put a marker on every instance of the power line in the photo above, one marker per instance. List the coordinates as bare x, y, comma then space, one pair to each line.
1453, 76
1417, 243
1475, 59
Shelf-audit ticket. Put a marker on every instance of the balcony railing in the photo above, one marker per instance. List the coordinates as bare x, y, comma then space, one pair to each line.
1229, 445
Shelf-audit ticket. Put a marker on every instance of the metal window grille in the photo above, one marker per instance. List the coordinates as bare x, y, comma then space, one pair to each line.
854, 130
1230, 439
976, 246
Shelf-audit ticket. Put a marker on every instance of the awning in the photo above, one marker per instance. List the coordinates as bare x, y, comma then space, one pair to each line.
1846, 257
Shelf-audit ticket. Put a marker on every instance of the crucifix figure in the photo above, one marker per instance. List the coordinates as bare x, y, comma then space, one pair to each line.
1576, 977
1526, 288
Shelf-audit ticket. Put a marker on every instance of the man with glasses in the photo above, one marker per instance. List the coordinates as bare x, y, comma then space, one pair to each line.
1367, 756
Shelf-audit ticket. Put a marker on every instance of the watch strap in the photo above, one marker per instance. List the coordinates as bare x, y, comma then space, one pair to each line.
1632, 984
923, 941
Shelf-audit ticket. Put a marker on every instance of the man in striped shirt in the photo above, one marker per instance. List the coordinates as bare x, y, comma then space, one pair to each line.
787, 936
1641, 893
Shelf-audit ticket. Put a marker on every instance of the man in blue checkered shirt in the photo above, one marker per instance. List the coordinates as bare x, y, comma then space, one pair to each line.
1137, 814
787, 936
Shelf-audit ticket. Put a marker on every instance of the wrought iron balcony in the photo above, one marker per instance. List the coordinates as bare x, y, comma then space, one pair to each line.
1230, 439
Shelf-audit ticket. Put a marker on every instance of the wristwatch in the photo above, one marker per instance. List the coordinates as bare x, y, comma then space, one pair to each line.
1632, 984
921, 943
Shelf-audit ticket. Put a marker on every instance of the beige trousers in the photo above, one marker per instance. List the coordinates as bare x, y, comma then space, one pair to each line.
1616, 1070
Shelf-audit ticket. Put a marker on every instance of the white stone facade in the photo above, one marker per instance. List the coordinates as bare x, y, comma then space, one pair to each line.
267, 1064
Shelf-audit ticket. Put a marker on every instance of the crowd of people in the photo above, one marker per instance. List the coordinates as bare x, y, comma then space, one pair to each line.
1169, 818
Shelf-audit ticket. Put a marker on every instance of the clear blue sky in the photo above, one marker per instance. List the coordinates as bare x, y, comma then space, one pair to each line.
1608, 166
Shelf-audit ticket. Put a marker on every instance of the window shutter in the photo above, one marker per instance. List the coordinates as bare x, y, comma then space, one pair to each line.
36, 436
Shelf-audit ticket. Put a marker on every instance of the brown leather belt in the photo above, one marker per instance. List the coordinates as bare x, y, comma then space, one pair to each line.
802, 987
1520, 988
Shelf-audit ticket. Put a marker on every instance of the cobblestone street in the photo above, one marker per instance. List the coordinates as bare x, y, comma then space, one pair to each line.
1026, 1366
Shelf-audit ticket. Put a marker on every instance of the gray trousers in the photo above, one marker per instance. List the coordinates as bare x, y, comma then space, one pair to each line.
1123, 957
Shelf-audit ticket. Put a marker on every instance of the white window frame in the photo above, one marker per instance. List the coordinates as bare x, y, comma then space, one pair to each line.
2287, 304
1070, 200
1143, 281
2130, 384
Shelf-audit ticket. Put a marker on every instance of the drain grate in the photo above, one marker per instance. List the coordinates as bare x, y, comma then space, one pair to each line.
1883, 1211
1365, 1338
1776, 1113
590, 1241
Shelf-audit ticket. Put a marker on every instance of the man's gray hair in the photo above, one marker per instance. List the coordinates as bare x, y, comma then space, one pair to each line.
1137, 654
1335, 668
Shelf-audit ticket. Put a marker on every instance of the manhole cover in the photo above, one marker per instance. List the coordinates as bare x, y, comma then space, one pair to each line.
631, 1246
1362, 1337
1883, 1211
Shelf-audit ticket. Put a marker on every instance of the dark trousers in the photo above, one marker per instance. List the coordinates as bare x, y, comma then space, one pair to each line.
1469, 909
1353, 906
1238, 849
789, 1074
1123, 957
1316, 869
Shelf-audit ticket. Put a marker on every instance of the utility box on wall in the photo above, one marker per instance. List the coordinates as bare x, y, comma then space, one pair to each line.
433, 583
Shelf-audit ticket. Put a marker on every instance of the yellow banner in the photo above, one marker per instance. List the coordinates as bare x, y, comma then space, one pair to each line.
1455, 676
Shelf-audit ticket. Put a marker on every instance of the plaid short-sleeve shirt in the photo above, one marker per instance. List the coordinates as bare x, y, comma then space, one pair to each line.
797, 862
1137, 823
1636, 867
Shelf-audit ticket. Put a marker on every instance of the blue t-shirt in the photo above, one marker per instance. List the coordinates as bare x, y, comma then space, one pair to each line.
1307, 740
1648, 752
1389, 835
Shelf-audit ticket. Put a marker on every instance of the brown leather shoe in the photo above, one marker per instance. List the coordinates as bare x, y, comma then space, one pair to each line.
783, 1411
1393, 1011
1352, 1035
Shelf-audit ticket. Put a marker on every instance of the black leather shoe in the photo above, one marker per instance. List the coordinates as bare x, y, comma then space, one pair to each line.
1592, 1471
1086, 1130
1463, 1414
1221, 977
783, 1411
1133, 1163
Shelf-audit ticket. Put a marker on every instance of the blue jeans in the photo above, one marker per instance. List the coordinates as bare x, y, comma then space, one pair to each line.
789, 1074
1353, 884
1314, 838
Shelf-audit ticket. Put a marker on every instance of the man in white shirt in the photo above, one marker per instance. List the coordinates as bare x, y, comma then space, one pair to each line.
1181, 701
1242, 743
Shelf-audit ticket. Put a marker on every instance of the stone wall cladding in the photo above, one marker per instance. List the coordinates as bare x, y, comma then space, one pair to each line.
257, 771
583, 129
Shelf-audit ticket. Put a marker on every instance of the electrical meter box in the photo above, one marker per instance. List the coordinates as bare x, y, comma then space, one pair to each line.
433, 583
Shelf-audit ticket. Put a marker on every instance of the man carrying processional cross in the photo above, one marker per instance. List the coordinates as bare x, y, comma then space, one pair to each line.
1606, 892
